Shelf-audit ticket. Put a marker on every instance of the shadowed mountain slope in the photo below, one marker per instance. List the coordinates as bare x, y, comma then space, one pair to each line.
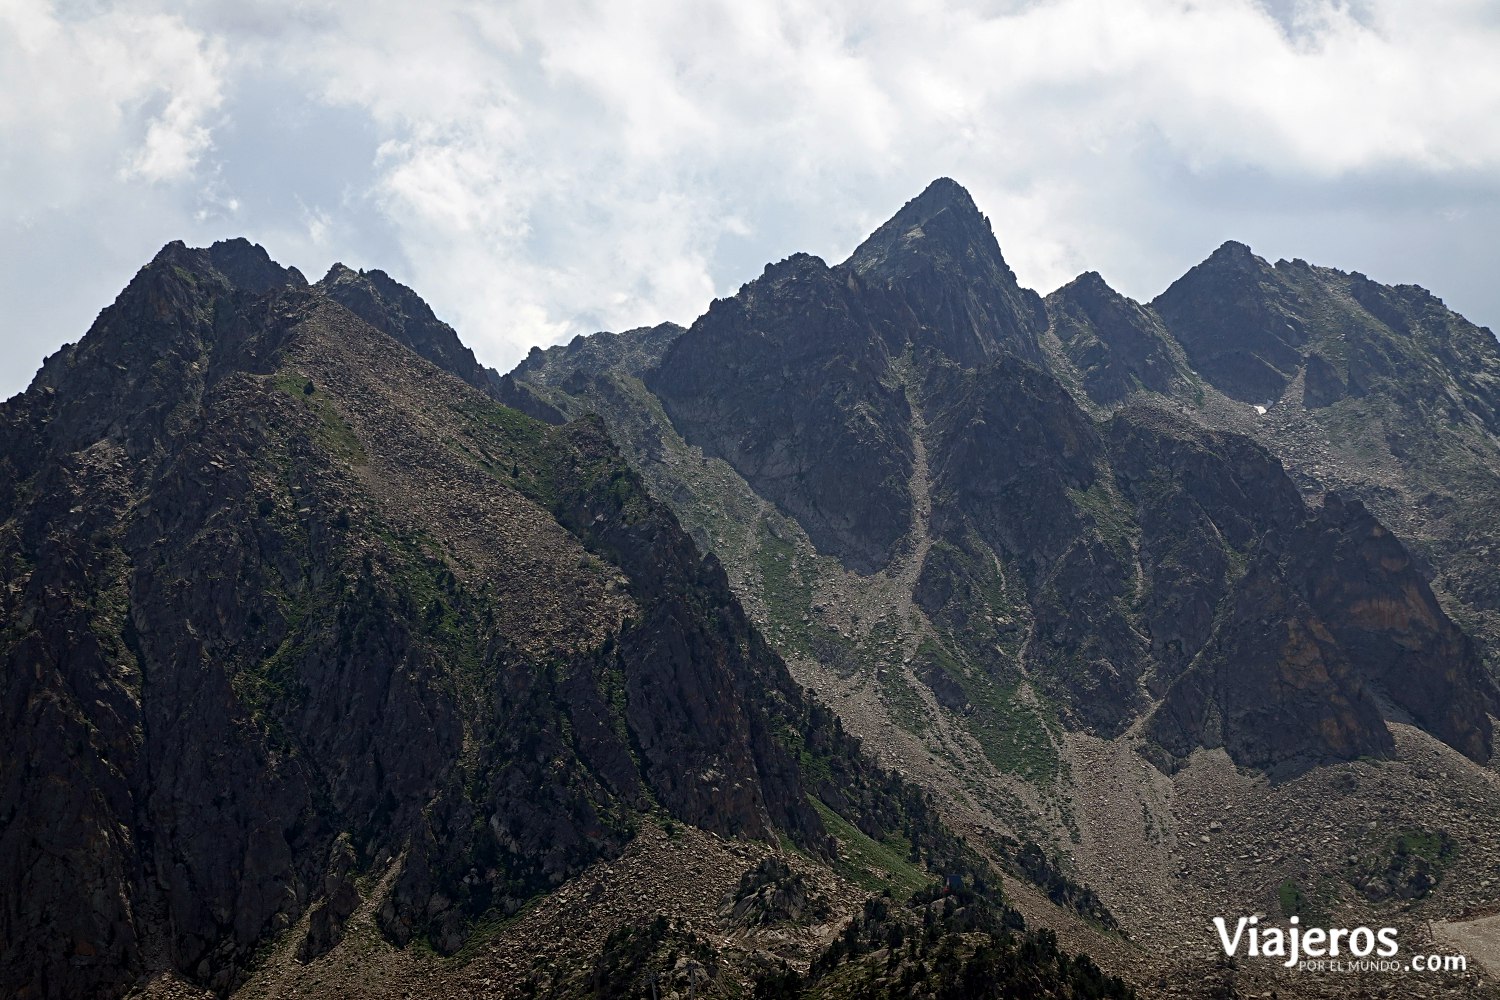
449, 657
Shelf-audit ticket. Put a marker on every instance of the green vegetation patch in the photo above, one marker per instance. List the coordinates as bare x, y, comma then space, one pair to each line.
333, 431
785, 587
1310, 905
1294, 902
1405, 866
1113, 516
902, 702
511, 446
787, 578
862, 857
1012, 733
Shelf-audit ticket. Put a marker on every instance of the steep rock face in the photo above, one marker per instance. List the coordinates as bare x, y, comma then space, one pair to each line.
1020, 480
156, 344
938, 256
248, 268
1416, 348
1008, 445
1383, 371
1361, 580
691, 677
1095, 561
1202, 501
1116, 345
1273, 688
784, 381
1241, 328
1329, 623
78, 764
1248, 327
1397, 405
792, 380
283, 601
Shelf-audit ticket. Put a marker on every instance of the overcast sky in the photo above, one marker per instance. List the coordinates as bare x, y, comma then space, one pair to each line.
540, 169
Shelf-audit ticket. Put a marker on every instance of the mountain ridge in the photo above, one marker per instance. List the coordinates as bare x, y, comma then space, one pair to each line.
466, 658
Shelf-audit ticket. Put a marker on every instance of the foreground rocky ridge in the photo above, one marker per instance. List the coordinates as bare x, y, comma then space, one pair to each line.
301, 625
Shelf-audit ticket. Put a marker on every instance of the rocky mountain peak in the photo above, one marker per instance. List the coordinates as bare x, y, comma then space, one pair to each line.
939, 258
1232, 261
942, 195
1234, 253
357, 612
1239, 322
1090, 285
181, 322
339, 271
800, 270
172, 251
306, 637
942, 225
1115, 344
250, 268
237, 263
792, 357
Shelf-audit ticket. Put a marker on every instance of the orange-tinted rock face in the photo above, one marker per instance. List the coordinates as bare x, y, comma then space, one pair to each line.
1354, 622
1395, 632
1272, 687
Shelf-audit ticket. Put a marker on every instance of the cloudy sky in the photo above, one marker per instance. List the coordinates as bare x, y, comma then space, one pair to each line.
540, 169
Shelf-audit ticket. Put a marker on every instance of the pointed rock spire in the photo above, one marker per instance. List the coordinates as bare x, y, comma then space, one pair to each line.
939, 254
1116, 344
941, 224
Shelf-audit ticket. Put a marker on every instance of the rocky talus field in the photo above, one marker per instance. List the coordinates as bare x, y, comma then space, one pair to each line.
890, 631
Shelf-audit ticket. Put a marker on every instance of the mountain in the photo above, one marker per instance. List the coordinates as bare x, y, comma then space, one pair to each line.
856, 401
688, 660
1380, 392
1066, 560
939, 256
305, 635
787, 381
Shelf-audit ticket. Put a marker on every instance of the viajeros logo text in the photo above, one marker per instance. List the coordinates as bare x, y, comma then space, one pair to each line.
1334, 949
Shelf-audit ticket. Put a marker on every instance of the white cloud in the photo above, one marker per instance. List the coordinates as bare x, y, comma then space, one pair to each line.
79, 94
548, 167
